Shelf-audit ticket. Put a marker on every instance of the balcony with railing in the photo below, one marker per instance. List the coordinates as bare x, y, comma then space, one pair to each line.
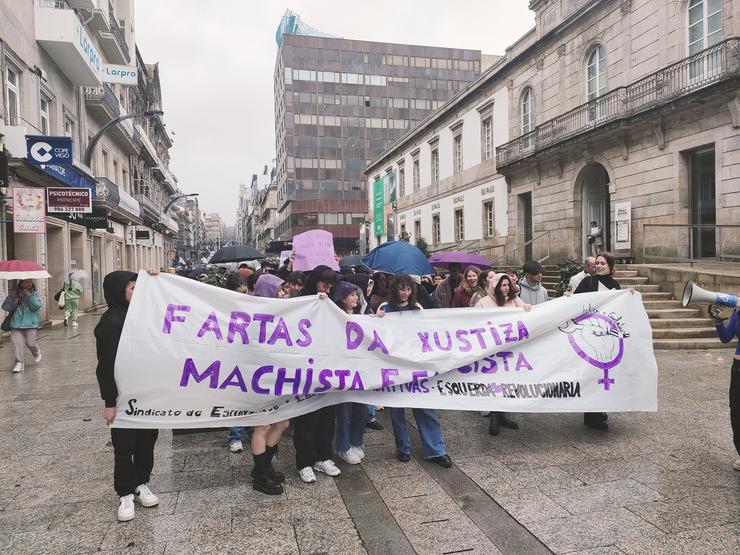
102, 101
113, 42
150, 209
717, 64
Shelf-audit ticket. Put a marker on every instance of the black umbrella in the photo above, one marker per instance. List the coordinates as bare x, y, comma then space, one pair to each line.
351, 260
236, 253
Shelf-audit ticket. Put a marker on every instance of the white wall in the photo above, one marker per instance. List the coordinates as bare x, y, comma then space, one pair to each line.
473, 200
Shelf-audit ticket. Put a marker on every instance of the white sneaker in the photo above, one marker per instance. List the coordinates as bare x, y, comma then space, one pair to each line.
236, 446
18, 368
358, 451
348, 456
145, 496
307, 475
736, 465
126, 509
328, 467
37, 358
74, 323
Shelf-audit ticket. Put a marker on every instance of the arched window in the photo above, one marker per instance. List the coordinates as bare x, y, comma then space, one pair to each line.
705, 24
596, 72
527, 111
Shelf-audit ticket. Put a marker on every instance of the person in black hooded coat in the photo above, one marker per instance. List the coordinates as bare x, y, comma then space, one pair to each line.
602, 280
133, 450
313, 433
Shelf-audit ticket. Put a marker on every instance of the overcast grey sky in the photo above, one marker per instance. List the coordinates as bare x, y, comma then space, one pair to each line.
217, 59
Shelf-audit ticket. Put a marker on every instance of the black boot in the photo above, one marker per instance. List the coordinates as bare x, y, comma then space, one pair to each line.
261, 480
493, 426
276, 474
595, 420
504, 421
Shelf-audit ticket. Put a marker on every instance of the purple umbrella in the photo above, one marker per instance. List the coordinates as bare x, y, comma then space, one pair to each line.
444, 259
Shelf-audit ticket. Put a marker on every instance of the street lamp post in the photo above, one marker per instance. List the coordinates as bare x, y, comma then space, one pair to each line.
94, 141
87, 158
175, 199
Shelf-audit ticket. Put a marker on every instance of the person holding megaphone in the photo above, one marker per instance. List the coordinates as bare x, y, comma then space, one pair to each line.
726, 332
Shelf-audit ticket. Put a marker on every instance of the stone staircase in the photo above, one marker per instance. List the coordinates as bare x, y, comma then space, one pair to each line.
674, 327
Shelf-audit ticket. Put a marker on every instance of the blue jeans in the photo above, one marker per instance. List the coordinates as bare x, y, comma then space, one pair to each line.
430, 432
235, 434
350, 426
370, 413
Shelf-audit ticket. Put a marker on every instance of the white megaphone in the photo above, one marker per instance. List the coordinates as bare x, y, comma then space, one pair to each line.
692, 293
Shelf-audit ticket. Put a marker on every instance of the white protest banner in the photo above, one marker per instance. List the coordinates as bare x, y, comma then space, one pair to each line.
314, 248
192, 355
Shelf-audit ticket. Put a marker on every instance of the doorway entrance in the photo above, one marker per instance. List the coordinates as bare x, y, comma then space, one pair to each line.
703, 203
595, 205
525, 222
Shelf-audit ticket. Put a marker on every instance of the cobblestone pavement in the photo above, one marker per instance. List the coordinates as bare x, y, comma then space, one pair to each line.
655, 483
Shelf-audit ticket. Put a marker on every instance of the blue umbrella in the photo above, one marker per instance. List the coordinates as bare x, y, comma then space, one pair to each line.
398, 257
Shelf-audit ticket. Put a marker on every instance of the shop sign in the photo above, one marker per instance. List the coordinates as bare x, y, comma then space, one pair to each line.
68, 199
43, 149
29, 210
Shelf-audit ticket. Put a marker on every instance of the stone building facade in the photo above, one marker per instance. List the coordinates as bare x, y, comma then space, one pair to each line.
615, 101
604, 102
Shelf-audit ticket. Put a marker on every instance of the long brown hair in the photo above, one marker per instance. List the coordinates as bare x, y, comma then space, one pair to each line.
498, 296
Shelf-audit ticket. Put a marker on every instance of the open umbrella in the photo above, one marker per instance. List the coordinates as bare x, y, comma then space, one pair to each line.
398, 257
444, 259
351, 260
22, 269
235, 253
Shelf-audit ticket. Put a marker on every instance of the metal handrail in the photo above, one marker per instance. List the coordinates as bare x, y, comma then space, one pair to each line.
705, 68
530, 242
118, 35
691, 258
106, 95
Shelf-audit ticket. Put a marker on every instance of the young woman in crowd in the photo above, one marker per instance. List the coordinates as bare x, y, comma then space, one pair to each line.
236, 282
602, 280
485, 280
467, 288
501, 295
133, 450
266, 438
367, 286
313, 433
23, 304
351, 417
402, 298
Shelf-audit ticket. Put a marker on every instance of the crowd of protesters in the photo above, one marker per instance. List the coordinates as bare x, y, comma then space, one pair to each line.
334, 431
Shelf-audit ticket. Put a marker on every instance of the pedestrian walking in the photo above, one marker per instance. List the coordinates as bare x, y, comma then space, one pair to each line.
530, 286
350, 417
133, 449
313, 433
23, 305
727, 333
72, 293
602, 280
402, 298
265, 439
501, 294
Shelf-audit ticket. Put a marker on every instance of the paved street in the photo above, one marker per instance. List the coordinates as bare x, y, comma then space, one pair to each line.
655, 483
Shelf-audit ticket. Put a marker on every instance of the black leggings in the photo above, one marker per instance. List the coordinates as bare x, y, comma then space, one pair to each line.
133, 458
735, 403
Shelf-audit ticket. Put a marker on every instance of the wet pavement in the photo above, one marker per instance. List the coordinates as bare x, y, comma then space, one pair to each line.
654, 483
